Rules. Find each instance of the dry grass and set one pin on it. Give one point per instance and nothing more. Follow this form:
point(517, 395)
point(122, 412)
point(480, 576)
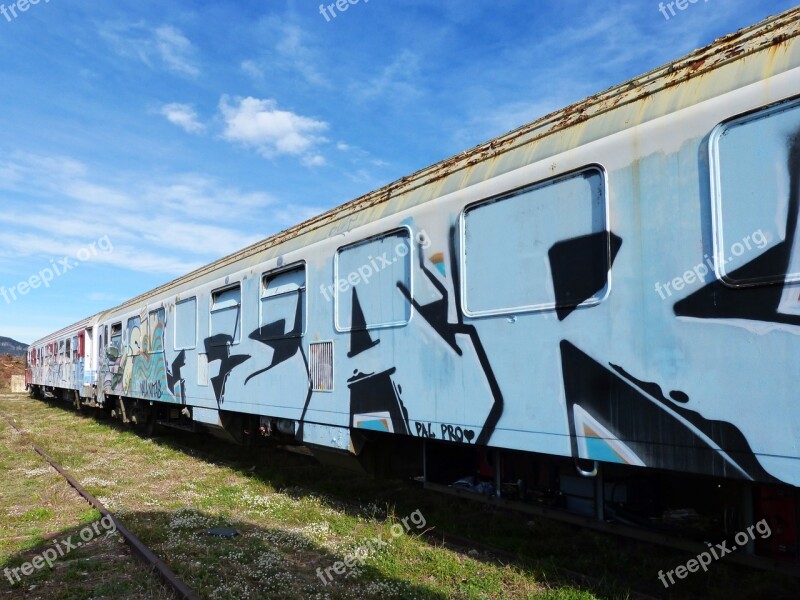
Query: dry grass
point(294, 516)
point(169, 498)
point(39, 510)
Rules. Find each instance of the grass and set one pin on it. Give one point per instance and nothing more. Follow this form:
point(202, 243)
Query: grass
point(293, 517)
point(38, 510)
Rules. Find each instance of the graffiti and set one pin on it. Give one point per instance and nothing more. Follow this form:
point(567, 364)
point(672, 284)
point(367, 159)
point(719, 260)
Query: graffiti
point(153, 390)
point(576, 278)
point(360, 339)
point(218, 349)
point(450, 433)
point(284, 344)
point(139, 367)
point(424, 430)
point(111, 369)
point(435, 313)
point(375, 403)
point(175, 383)
point(622, 420)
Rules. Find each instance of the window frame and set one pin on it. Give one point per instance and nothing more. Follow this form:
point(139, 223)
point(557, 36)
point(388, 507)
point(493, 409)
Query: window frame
point(262, 287)
point(718, 251)
point(410, 257)
point(196, 324)
point(121, 336)
point(149, 331)
point(211, 311)
point(127, 339)
point(549, 181)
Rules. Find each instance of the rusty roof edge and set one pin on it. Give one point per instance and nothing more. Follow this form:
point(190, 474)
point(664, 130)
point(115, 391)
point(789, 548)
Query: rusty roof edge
point(628, 91)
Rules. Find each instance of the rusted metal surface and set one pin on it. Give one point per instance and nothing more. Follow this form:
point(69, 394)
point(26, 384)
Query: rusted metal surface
point(760, 51)
point(170, 579)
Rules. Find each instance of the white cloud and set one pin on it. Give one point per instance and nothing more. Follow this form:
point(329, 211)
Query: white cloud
point(184, 116)
point(260, 124)
point(164, 46)
point(314, 160)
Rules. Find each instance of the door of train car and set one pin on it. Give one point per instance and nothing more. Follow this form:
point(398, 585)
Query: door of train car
point(28, 365)
point(87, 357)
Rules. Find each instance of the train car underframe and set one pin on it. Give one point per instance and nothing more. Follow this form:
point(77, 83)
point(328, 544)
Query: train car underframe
point(675, 509)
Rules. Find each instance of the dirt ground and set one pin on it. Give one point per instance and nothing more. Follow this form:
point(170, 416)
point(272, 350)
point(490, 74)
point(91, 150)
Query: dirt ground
point(10, 365)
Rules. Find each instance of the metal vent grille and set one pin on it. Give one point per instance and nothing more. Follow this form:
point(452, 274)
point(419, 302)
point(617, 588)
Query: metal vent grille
point(321, 366)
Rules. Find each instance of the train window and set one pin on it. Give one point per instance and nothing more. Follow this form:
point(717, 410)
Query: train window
point(134, 336)
point(283, 304)
point(539, 248)
point(755, 161)
point(186, 324)
point(67, 350)
point(226, 316)
point(116, 336)
point(74, 348)
point(366, 278)
point(153, 332)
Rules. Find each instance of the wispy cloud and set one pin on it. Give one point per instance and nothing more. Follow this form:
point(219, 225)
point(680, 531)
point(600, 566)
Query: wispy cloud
point(165, 46)
point(252, 70)
point(260, 124)
point(176, 51)
point(292, 51)
point(399, 80)
point(184, 116)
point(170, 225)
point(360, 164)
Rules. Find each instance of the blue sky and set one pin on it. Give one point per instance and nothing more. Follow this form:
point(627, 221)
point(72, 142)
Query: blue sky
point(170, 134)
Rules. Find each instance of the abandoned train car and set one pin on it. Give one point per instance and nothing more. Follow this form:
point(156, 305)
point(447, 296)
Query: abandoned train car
point(609, 294)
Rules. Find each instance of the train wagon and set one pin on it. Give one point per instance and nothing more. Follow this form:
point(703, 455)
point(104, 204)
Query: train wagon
point(65, 363)
point(597, 312)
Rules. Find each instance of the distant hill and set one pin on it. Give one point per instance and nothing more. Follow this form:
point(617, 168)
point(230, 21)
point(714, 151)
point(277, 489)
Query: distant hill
point(13, 347)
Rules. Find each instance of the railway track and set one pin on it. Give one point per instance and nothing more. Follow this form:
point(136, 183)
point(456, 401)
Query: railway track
point(181, 590)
